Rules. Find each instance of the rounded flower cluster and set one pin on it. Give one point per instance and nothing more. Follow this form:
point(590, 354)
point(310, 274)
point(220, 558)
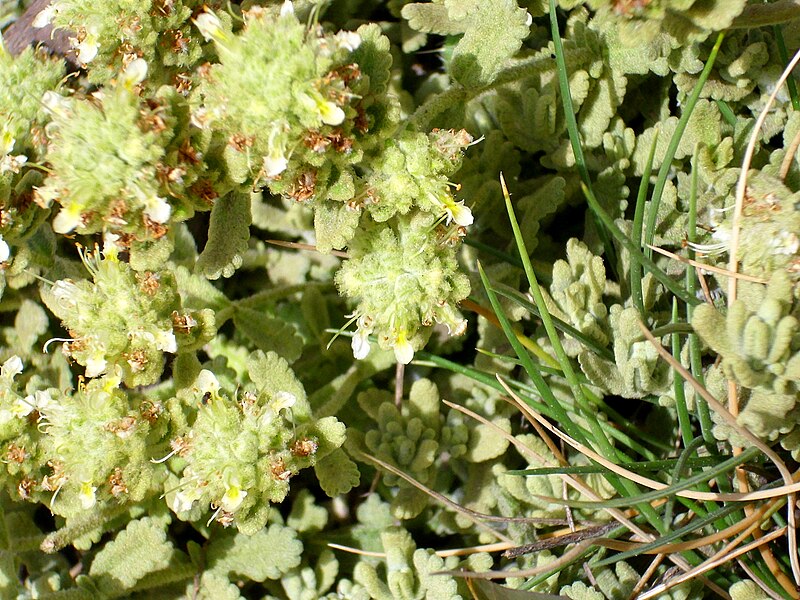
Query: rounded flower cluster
point(123, 322)
point(121, 164)
point(405, 278)
point(244, 447)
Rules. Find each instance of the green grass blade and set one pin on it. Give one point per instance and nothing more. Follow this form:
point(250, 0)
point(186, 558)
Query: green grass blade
point(670, 490)
point(636, 269)
point(672, 148)
point(790, 83)
point(574, 134)
point(662, 277)
point(562, 326)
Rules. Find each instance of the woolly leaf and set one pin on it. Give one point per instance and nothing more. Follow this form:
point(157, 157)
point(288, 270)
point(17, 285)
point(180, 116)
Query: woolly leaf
point(228, 233)
point(493, 32)
point(272, 374)
point(334, 224)
point(485, 443)
point(310, 583)
point(198, 292)
point(747, 590)
point(267, 554)
point(30, 324)
point(431, 18)
point(141, 548)
point(307, 516)
point(213, 587)
point(337, 474)
point(269, 333)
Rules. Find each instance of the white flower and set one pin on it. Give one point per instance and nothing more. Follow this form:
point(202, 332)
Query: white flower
point(287, 8)
point(68, 218)
point(209, 26)
point(157, 209)
point(360, 345)
point(134, 73)
point(44, 17)
point(283, 400)
point(165, 341)
point(22, 407)
point(11, 368)
point(39, 400)
point(66, 293)
point(274, 165)
point(456, 211)
point(87, 47)
point(233, 498)
point(348, 39)
point(5, 251)
point(207, 383)
point(7, 142)
point(184, 500)
point(55, 104)
point(96, 360)
point(12, 163)
point(329, 112)
point(86, 495)
point(403, 350)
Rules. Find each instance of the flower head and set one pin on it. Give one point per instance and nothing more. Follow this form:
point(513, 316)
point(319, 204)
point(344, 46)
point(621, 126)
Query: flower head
point(210, 26)
point(87, 45)
point(5, 251)
point(87, 495)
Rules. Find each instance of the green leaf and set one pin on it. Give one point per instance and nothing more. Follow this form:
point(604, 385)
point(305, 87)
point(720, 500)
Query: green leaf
point(493, 33)
point(486, 443)
point(141, 548)
point(267, 554)
point(268, 333)
point(228, 233)
point(30, 324)
point(335, 224)
point(213, 587)
point(337, 474)
point(272, 374)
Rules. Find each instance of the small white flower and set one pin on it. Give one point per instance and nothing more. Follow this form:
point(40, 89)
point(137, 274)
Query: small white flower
point(12, 163)
point(209, 26)
point(44, 196)
point(283, 400)
point(5, 251)
point(44, 17)
point(66, 293)
point(274, 165)
point(157, 209)
point(87, 47)
point(287, 8)
point(456, 211)
point(329, 112)
point(86, 495)
point(96, 360)
point(7, 142)
point(11, 368)
point(233, 498)
point(22, 407)
point(184, 500)
point(40, 400)
point(55, 104)
point(68, 218)
point(348, 39)
point(360, 345)
point(165, 341)
point(134, 73)
point(403, 350)
point(207, 383)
